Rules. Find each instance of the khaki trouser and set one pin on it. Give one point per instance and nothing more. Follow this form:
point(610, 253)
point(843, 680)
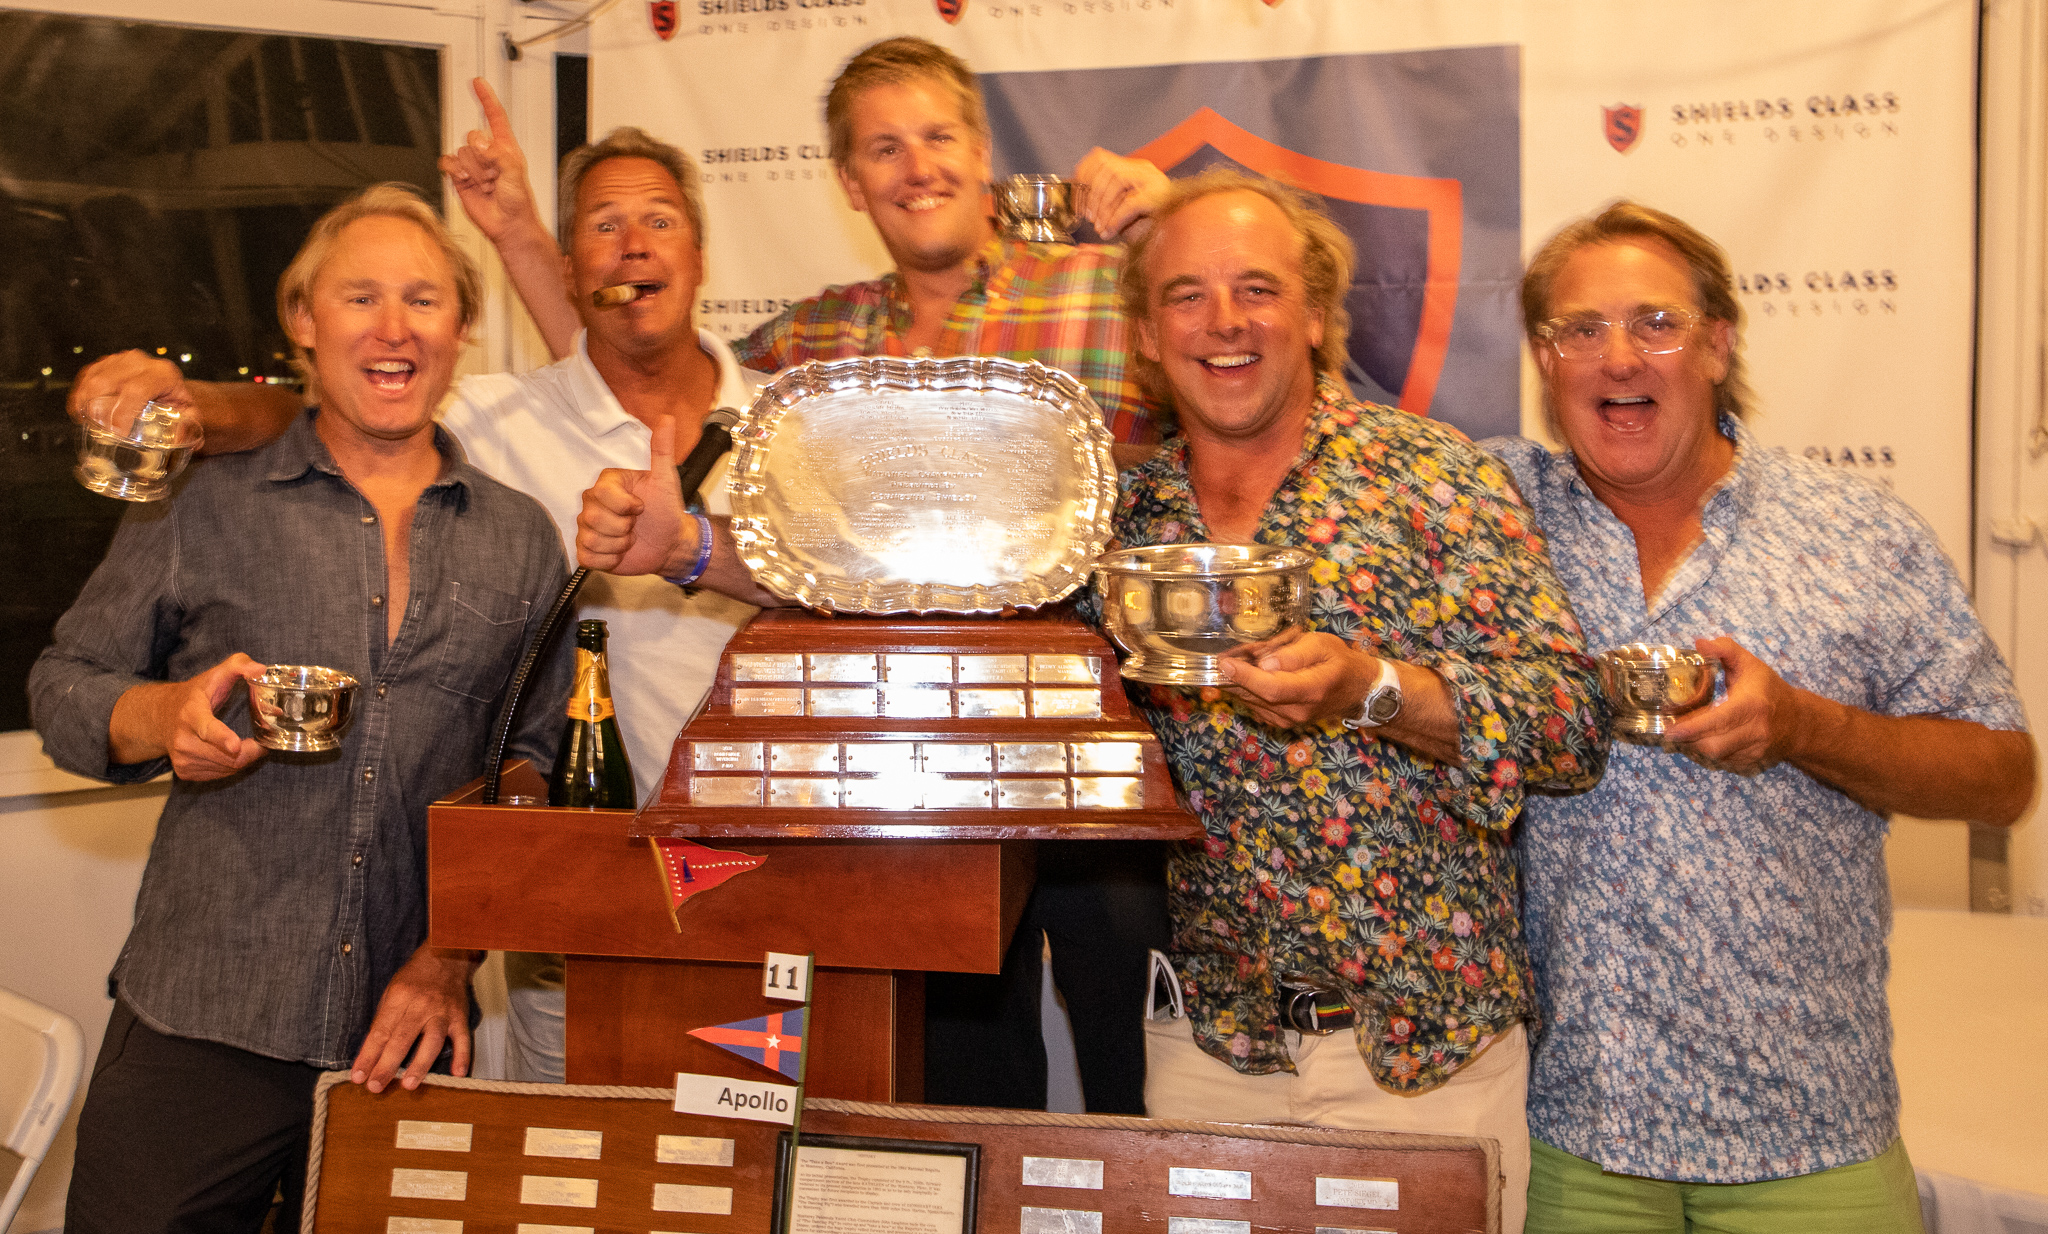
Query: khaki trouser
point(1331, 1087)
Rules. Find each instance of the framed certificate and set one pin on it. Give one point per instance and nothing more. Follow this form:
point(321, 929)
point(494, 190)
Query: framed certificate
point(835, 1184)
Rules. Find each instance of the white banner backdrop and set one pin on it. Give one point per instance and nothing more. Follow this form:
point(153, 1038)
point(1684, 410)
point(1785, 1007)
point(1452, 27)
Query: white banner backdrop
point(1829, 148)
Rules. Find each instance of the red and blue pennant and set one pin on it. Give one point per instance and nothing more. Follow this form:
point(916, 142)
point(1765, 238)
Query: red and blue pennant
point(775, 1041)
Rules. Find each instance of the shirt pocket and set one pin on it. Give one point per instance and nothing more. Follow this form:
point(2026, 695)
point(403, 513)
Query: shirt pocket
point(483, 640)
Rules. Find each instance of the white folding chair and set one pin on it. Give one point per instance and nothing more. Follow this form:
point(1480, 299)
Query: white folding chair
point(42, 1056)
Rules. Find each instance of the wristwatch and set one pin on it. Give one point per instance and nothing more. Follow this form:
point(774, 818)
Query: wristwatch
point(1382, 702)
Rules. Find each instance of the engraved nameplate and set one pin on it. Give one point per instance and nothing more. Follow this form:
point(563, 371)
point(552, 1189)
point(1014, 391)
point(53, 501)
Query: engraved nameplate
point(1062, 1172)
point(836, 701)
point(798, 793)
point(842, 667)
point(725, 791)
point(956, 794)
point(560, 1192)
point(1058, 1221)
point(557, 1142)
point(529, 1228)
point(884, 794)
point(991, 704)
point(725, 755)
point(1358, 1193)
point(421, 1225)
point(898, 669)
point(767, 702)
point(1209, 1184)
point(901, 702)
point(1037, 756)
point(1070, 668)
point(692, 1150)
point(1031, 794)
point(1341, 1229)
point(756, 667)
point(803, 756)
point(429, 1184)
point(961, 759)
point(438, 1137)
point(1100, 756)
point(979, 669)
point(1108, 793)
point(680, 1198)
point(881, 757)
point(1206, 1225)
point(1066, 704)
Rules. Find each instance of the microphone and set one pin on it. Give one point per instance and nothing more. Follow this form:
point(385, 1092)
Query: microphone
point(714, 440)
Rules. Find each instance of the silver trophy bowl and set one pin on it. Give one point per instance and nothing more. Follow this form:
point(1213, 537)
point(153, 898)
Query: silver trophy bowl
point(1178, 608)
point(301, 707)
point(1036, 209)
point(1650, 685)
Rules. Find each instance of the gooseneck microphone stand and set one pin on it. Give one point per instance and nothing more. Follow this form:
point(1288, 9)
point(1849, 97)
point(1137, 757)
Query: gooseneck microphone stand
point(712, 442)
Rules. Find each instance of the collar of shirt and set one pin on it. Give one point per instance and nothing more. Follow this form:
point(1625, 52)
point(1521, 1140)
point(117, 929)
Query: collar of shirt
point(990, 269)
point(603, 414)
point(300, 450)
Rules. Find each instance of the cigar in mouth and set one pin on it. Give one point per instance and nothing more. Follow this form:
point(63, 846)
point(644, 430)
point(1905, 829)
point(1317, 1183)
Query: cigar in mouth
point(617, 294)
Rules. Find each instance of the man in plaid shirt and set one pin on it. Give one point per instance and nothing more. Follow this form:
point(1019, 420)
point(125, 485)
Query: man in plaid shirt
point(909, 137)
point(910, 140)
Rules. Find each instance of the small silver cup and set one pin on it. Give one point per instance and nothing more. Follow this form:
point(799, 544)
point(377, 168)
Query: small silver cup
point(1036, 209)
point(301, 707)
point(1650, 685)
point(1178, 608)
point(140, 464)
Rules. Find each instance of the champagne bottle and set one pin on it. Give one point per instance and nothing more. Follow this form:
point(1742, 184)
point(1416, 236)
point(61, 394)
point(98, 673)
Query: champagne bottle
point(590, 764)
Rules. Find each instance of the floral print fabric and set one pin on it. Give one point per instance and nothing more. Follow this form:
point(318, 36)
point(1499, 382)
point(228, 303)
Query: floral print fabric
point(1709, 947)
point(1339, 856)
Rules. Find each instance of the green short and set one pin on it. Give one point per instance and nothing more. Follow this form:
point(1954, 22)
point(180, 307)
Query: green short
point(1571, 1195)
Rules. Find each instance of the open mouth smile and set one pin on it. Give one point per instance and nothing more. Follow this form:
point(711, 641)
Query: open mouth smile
point(1229, 363)
point(391, 376)
point(1627, 413)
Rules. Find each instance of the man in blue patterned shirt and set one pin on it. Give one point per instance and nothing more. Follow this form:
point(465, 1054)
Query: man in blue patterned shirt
point(1346, 938)
point(1708, 925)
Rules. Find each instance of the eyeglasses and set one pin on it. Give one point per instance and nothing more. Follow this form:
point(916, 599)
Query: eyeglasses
point(1657, 333)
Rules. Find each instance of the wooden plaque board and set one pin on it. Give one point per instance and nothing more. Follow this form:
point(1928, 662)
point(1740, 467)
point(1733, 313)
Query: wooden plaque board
point(486, 1133)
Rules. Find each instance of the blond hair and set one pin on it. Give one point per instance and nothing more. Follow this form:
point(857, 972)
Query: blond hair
point(1327, 260)
point(388, 200)
point(894, 62)
point(1713, 282)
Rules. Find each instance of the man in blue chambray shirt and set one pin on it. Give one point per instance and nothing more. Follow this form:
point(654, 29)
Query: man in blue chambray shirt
point(1708, 925)
point(280, 925)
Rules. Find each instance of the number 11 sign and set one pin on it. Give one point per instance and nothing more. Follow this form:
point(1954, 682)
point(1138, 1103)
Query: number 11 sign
point(786, 977)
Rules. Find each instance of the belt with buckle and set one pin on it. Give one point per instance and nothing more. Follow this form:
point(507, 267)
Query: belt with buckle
point(1315, 1010)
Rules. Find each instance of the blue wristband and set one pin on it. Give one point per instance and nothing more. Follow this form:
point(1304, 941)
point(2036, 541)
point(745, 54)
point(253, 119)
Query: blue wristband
point(703, 553)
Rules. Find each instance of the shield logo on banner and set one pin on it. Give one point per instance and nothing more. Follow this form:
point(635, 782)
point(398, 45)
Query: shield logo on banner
point(661, 14)
point(1436, 206)
point(951, 10)
point(1623, 124)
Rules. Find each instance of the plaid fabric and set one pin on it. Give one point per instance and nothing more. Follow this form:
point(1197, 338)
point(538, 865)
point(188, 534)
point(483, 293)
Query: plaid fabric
point(1053, 303)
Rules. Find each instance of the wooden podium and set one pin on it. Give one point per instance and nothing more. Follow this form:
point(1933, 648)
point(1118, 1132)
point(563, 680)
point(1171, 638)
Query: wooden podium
point(898, 840)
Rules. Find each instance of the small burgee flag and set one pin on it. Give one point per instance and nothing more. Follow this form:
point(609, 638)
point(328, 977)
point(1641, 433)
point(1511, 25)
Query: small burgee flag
point(775, 1041)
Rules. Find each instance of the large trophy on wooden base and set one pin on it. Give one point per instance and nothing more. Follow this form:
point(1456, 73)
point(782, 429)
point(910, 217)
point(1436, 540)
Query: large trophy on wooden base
point(867, 776)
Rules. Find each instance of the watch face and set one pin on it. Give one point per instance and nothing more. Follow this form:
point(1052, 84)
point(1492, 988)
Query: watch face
point(1383, 706)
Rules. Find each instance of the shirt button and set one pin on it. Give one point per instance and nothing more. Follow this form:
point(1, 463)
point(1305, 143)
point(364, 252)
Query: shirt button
point(369, 774)
point(368, 519)
point(376, 601)
point(356, 860)
point(347, 948)
point(383, 688)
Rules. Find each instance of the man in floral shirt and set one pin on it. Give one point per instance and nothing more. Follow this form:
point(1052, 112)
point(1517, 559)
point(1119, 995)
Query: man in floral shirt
point(1357, 781)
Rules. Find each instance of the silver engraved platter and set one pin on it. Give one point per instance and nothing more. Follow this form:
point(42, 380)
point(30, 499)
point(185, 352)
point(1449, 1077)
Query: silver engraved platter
point(879, 485)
